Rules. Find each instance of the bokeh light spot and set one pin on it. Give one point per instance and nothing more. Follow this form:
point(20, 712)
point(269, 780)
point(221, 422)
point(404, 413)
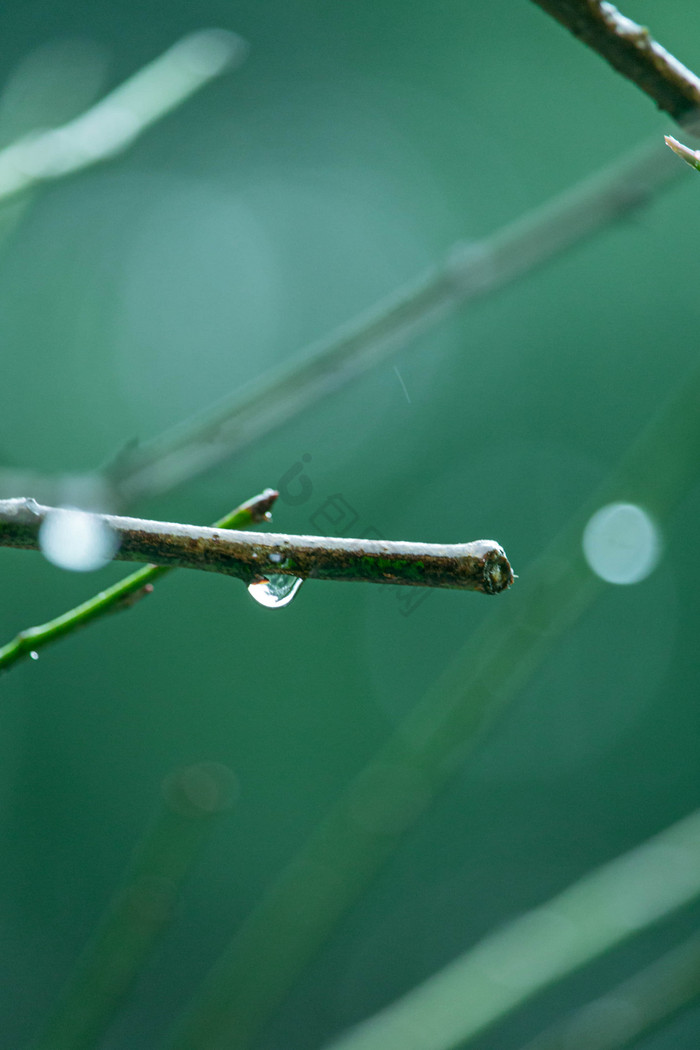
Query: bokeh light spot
point(621, 543)
point(76, 540)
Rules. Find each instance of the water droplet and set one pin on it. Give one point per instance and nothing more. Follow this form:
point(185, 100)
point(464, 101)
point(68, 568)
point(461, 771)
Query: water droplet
point(621, 543)
point(276, 591)
point(34, 655)
point(74, 539)
point(276, 557)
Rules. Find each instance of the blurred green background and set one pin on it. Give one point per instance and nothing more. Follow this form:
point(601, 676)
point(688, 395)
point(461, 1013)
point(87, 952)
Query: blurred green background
point(356, 144)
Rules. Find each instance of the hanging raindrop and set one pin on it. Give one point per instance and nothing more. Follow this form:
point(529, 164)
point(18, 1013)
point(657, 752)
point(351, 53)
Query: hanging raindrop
point(275, 591)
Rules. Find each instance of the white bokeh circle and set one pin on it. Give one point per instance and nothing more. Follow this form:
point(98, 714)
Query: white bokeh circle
point(77, 540)
point(621, 543)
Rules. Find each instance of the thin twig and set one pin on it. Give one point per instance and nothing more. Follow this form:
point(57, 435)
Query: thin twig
point(601, 910)
point(630, 49)
point(467, 273)
point(477, 566)
point(690, 156)
point(120, 595)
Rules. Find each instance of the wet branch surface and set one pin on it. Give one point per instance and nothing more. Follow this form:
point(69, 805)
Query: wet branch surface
point(121, 595)
point(253, 557)
point(477, 566)
point(630, 49)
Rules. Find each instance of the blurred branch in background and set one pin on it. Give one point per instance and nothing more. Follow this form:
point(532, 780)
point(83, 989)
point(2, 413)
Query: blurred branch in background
point(508, 967)
point(633, 1009)
point(361, 831)
point(630, 49)
point(100, 133)
point(468, 272)
point(125, 593)
point(142, 908)
point(114, 123)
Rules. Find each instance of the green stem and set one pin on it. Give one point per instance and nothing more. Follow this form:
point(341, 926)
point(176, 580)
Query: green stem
point(125, 593)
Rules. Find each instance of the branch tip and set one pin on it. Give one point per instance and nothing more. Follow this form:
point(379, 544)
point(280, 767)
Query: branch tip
point(631, 50)
point(690, 156)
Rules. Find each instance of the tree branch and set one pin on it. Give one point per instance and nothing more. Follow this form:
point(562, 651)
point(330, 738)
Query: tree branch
point(121, 595)
point(630, 49)
point(477, 566)
point(690, 156)
point(253, 557)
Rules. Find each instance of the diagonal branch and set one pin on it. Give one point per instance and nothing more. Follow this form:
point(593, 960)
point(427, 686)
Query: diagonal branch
point(690, 156)
point(512, 964)
point(364, 826)
point(633, 1010)
point(630, 49)
point(117, 120)
point(467, 272)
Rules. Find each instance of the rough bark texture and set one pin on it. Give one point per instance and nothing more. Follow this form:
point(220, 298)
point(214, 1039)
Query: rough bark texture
point(630, 49)
point(481, 565)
